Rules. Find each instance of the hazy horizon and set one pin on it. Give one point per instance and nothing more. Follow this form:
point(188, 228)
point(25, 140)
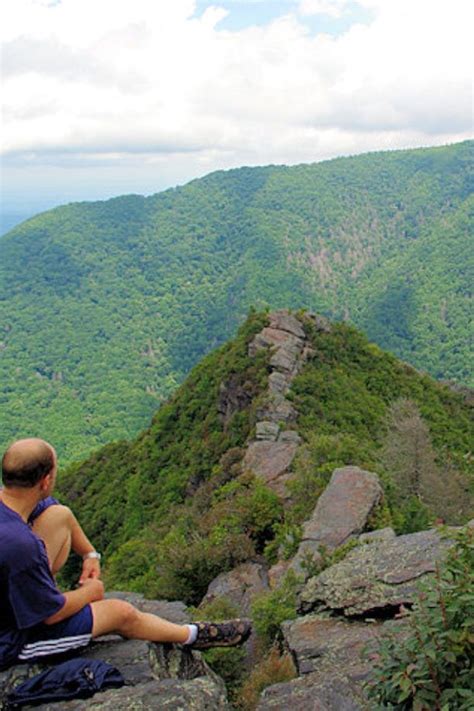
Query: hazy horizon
point(118, 97)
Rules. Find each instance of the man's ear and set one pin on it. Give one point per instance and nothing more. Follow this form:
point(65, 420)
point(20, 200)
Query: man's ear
point(45, 482)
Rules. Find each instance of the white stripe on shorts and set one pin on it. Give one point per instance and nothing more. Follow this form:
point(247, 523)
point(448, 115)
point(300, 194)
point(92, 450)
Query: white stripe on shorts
point(53, 646)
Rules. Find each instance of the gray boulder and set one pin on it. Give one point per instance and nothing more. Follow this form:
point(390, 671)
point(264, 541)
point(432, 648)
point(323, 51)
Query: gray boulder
point(381, 534)
point(314, 693)
point(239, 586)
point(271, 462)
point(320, 644)
point(284, 321)
point(341, 513)
point(267, 431)
point(333, 658)
point(371, 577)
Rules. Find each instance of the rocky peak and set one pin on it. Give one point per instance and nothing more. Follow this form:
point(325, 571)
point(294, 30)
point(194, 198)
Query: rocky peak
point(270, 455)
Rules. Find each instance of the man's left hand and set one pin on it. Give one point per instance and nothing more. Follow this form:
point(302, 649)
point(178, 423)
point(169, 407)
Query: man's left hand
point(90, 570)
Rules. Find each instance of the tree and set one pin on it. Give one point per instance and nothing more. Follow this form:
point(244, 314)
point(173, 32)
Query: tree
point(419, 483)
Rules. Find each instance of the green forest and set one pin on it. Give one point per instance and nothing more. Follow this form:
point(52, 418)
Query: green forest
point(105, 307)
point(175, 507)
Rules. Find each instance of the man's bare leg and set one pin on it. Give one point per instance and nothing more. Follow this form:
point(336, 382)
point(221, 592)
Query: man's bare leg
point(55, 526)
point(122, 618)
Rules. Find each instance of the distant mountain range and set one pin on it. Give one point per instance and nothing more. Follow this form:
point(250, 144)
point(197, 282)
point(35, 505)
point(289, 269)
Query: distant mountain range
point(9, 219)
point(105, 306)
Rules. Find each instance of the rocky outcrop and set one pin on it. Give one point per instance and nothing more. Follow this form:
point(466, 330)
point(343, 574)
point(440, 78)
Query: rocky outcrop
point(271, 462)
point(315, 693)
point(376, 577)
point(350, 606)
point(354, 604)
point(341, 513)
point(174, 611)
point(333, 658)
point(233, 397)
point(320, 644)
point(271, 454)
point(239, 587)
point(157, 676)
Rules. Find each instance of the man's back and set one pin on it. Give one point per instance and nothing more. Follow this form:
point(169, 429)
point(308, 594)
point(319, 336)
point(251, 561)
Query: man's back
point(28, 593)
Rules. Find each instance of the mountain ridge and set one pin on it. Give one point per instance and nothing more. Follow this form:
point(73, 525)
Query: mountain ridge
point(107, 303)
point(237, 458)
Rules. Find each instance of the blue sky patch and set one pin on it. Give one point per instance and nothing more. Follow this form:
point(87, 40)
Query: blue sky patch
point(247, 13)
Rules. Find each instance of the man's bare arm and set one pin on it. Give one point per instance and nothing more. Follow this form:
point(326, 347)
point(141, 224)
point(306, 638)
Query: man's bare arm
point(90, 591)
point(81, 545)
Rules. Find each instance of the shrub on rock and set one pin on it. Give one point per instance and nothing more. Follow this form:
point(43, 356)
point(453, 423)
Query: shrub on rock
point(432, 668)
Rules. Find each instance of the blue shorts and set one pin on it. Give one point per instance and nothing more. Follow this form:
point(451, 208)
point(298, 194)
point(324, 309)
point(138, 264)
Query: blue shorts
point(73, 633)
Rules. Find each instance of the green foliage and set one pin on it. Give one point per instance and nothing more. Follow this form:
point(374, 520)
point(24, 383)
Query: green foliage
point(173, 508)
point(344, 397)
point(271, 609)
point(316, 460)
point(412, 516)
point(314, 566)
point(380, 517)
point(105, 306)
point(286, 541)
point(431, 668)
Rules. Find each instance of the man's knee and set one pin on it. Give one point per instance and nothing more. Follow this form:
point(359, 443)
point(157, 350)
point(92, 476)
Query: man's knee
point(56, 515)
point(113, 616)
point(126, 612)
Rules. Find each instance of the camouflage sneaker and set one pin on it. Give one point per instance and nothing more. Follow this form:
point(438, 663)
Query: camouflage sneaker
point(222, 634)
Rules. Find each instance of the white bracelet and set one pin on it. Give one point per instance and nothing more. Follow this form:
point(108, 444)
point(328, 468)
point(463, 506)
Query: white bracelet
point(92, 554)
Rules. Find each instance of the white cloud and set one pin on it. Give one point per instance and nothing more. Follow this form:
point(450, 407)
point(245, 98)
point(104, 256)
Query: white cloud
point(332, 8)
point(114, 78)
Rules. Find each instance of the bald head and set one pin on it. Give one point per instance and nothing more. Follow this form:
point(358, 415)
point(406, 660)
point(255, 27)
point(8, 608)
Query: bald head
point(26, 462)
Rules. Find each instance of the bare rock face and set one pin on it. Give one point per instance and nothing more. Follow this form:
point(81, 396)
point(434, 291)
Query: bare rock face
point(271, 461)
point(333, 658)
point(381, 534)
point(233, 397)
point(157, 676)
point(319, 644)
point(267, 431)
point(342, 511)
point(271, 455)
point(315, 694)
point(277, 573)
point(284, 321)
point(276, 408)
point(383, 574)
point(239, 586)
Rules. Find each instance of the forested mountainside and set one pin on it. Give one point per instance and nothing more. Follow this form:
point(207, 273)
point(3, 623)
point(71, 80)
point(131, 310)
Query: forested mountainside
point(237, 458)
point(105, 307)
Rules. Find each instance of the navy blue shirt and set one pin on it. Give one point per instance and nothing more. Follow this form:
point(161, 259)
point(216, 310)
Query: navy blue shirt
point(28, 592)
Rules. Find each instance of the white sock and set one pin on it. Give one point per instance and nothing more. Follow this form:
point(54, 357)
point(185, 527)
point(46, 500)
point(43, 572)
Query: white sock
point(193, 633)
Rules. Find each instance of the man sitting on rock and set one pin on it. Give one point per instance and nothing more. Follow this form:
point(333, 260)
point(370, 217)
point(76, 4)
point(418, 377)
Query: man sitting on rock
point(36, 536)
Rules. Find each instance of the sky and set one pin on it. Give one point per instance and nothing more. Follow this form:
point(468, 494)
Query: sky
point(109, 97)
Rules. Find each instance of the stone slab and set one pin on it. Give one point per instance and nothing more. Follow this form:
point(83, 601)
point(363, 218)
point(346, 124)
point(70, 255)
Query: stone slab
point(341, 513)
point(269, 460)
point(384, 574)
point(239, 586)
